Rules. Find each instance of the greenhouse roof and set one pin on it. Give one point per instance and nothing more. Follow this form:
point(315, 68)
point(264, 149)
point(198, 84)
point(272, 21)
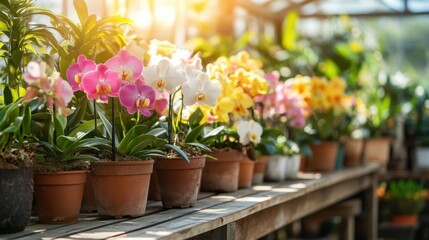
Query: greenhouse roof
point(276, 9)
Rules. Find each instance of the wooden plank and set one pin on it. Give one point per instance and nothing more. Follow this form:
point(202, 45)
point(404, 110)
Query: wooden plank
point(208, 219)
point(371, 210)
point(86, 222)
point(219, 211)
point(268, 220)
point(123, 227)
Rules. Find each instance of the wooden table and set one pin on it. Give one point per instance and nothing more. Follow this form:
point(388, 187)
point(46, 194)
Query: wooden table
point(245, 214)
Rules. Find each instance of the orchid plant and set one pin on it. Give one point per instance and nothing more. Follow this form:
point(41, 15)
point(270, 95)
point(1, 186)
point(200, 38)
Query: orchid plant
point(45, 87)
point(146, 93)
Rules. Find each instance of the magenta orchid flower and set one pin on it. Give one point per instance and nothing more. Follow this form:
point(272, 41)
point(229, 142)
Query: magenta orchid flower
point(76, 71)
point(139, 97)
point(127, 66)
point(101, 83)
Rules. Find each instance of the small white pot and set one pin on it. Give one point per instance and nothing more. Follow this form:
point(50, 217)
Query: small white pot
point(422, 158)
point(292, 166)
point(276, 168)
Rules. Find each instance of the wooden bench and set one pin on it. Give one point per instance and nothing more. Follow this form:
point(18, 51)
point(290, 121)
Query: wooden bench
point(347, 210)
point(246, 214)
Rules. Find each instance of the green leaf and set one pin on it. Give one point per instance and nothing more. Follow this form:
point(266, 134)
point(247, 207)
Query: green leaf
point(142, 145)
point(157, 132)
point(131, 134)
point(81, 10)
point(194, 134)
point(84, 128)
point(8, 98)
point(136, 140)
point(27, 120)
point(290, 34)
point(108, 127)
point(214, 132)
point(199, 145)
point(179, 151)
point(195, 118)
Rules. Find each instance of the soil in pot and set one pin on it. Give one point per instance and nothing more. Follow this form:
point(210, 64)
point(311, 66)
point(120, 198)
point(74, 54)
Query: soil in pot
point(179, 181)
point(121, 187)
point(246, 173)
point(259, 170)
point(16, 196)
point(59, 196)
point(221, 174)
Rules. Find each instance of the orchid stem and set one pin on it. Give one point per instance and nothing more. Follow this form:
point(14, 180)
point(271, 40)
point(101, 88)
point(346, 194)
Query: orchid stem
point(95, 124)
point(54, 113)
point(113, 131)
point(170, 119)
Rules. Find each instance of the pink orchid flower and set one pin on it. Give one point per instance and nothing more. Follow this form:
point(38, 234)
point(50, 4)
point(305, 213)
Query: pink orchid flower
point(101, 83)
point(52, 90)
point(161, 103)
point(127, 66)
point(76, 71)
point(139, 97)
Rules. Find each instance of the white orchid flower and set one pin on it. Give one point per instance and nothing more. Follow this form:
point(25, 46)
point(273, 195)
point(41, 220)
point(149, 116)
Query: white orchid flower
point(163, 76)
point(249, 131)
point(200, 90)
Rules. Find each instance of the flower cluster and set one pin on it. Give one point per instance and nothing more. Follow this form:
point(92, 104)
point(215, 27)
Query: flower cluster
point(48, 87)
point(283, 100)
point(242, 80)
point(144, 89)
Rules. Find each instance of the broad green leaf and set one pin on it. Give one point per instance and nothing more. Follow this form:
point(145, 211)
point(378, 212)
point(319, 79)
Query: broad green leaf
point(195, 118)
point(131, 134)
point(214, 132)
point(141, 145)
point(289, 33)
point(81, 10)
point(194, 134)
point(199, 145)
point(157, 132)
point(108, 127)
point(84, 128)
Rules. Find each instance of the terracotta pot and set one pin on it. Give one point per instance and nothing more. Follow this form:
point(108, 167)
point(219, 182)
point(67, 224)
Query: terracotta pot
point(303, 164)
point(259, 170)
point(121, 187)
point(16, 196)
point(88, 201)
point(179, 181)
point(404, 219)
point(59, 195)
point(221, 174)
point(154, 192)
point(275, 170)
point(246, 173)
point(377, 150)
point(292, 166)
point(324, 156)
point(353, 152)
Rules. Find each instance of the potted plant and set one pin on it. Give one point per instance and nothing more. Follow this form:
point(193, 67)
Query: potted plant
point(377, 146)
point(131, 142)
point(325, 98)
point(405, 200)
point(16, 168)
point(241, 79)
point(60, 170)
point(180, 77)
